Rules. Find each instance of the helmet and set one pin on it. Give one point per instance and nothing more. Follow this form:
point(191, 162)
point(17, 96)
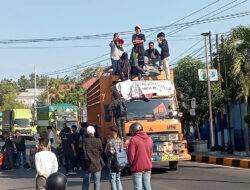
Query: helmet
point(56, 181)
point(135, 127)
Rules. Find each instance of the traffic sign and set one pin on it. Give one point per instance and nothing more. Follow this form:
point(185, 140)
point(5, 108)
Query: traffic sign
point(212, 73)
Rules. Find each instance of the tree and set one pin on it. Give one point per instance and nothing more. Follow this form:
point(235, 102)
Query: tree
point(187, 82)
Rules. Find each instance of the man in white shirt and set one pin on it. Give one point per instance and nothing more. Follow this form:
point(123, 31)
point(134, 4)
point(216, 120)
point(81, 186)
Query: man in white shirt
point(46, 163)
point(52, 139)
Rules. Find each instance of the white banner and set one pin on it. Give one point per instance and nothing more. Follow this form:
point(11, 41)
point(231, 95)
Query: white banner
point(137, 89)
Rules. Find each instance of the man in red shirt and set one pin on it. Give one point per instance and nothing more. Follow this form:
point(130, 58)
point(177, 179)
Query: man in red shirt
point(139, 155)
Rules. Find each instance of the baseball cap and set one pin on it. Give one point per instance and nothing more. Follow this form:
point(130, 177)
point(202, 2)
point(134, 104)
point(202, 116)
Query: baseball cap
point(90, 130)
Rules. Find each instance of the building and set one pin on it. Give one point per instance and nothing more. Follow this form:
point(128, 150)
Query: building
point(27, 97)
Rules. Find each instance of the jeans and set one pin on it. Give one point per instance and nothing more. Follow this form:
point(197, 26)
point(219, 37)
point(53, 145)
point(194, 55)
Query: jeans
point(141, 180)
point(115, 66)
point(115, 181)
point(87, 177)
point(21, 158)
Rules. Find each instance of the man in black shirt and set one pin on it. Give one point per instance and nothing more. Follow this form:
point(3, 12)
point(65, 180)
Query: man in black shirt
point(8, 150)
point(163, 44)
point(152, 55)
point(67, 150)
point(137, 61)
point(20, 147)
point(75, 138)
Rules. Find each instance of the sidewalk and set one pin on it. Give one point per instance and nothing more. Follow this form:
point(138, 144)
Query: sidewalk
point(222, 159)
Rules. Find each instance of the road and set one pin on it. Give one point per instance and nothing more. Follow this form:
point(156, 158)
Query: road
point(190, 176)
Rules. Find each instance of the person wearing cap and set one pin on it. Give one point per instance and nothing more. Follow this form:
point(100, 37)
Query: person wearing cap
point(116, 52)
point(113, 145)
point(140, 151)
point(137, 53)
point(163, 44)
point(91, 159)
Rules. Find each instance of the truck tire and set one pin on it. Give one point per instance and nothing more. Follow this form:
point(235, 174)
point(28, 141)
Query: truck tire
point(173, 165)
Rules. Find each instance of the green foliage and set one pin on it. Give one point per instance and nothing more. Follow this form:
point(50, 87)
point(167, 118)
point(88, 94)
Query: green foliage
point(187, 83)
point(24, 83)
point(235, 56)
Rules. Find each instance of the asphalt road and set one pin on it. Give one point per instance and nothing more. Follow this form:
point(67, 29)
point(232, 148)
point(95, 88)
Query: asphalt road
point(190, 176)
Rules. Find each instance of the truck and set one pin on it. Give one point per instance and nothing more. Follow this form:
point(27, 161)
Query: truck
point(18, 119)
point(56, 115)
point(152, 102)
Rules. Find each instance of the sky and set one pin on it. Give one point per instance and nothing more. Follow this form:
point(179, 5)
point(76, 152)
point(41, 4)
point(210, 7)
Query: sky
point(29, 19)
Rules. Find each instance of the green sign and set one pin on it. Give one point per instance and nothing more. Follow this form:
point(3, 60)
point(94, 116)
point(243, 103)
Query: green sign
point(213, 74)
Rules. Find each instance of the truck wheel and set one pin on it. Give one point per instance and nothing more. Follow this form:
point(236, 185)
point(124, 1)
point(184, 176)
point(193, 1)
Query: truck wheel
point(173, 165)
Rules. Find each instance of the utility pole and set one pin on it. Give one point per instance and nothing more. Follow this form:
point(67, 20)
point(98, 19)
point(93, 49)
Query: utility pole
point(210, 49)
point(209, 93)
point(34, 86)
point(230, 145)
point(47, 89)
point(218, 53)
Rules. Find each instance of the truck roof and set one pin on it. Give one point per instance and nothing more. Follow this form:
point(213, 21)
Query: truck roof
point(22, 113)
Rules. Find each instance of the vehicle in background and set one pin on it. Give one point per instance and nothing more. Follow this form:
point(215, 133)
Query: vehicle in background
point(158, 113)
point(56, 115)
point(18, 119)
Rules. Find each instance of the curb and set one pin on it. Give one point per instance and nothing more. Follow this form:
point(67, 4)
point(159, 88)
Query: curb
point(226, 161)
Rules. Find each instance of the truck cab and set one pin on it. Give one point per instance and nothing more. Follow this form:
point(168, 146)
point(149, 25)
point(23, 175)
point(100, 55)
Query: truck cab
point(157, 112)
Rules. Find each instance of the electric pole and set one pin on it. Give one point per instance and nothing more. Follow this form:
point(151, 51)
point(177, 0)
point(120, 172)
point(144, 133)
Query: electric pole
point(211, 128)
point(34, 86)
point(218, 53)
point(47, 89)
point(210, 49)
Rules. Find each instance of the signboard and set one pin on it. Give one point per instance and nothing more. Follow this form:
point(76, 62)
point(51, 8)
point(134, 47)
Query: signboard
point(213, 74)
point(138, 89)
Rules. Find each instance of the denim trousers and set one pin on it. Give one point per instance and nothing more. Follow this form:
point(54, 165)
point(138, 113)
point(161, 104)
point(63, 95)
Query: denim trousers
point(21, 158)
point(87, 177)
point(115, 66)
point(115, 180)
point(141, 180)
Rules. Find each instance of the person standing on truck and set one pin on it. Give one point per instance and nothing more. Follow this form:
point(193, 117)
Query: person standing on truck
point(8, 150)
point(163, 44)
point(19, 143)
point(67, 151)
point(140, 150)
point(136, 59)
point(118, 109)
point(113, 145)
point(91, 159)
point(116, 52)
point(46, 163)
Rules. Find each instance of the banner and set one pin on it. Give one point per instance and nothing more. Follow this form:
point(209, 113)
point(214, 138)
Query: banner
point(145, 88)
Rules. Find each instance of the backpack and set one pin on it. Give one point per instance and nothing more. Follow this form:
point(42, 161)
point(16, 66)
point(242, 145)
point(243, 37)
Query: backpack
point(120, 159)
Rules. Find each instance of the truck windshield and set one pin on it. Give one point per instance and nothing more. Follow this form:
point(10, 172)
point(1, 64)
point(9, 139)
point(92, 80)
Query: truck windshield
point(154, 108)
point(22, 122)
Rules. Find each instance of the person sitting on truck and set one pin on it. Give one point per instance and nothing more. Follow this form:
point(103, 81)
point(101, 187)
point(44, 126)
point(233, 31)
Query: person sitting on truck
point(91, 159)
point(152, 55)
point(163, 44)
point(124, 67)
point(19, 143)
point(8, 150)
point(116, 52)
point(140, 151)
point(113, 145)
point(118, 110)
point(67, 150)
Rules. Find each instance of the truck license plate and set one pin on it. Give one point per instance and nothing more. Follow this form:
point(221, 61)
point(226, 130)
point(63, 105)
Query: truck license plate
point(170, 158)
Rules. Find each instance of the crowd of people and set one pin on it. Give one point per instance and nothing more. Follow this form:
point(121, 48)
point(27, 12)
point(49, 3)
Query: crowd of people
point(141, 61)
point(82, 149)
